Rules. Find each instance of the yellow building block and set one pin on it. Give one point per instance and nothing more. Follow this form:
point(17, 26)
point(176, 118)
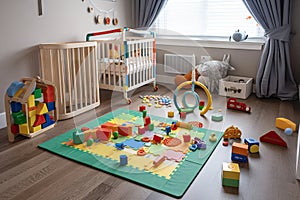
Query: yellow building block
point(240, 148)
point(170, 114)
point(35, 128)
point(23, 128)
point(31, 120)
point(231, 171)
point(31, 113)
point(41, 109)
point(17, 94)
point(30, 101)
point(284, 123)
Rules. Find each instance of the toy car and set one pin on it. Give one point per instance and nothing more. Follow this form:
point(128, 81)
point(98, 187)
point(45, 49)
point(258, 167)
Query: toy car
point(232, 103)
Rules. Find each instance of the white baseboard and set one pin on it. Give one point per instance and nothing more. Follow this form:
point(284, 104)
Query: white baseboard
point(2, 120)
point(165, 79)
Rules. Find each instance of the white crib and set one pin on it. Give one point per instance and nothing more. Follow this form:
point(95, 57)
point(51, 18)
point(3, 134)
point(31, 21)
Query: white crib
point(126, 59)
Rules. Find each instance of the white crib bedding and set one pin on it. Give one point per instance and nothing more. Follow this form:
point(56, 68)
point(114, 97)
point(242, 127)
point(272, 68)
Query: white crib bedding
point(117, 66)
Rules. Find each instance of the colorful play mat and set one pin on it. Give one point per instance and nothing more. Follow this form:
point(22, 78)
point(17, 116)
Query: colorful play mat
point(149, 155)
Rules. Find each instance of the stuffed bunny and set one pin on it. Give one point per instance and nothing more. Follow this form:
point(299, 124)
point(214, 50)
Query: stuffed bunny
point(212, 71)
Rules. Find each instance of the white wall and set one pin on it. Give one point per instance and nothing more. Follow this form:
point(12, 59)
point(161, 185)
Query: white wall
point(22, 29)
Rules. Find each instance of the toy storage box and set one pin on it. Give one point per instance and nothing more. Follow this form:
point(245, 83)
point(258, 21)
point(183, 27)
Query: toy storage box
point(30, 106)
point(72, 67)
point(235, 86)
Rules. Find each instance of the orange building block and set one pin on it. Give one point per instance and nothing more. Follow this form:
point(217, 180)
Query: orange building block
point(41, 109)
point(110, 125)
point(239, 148)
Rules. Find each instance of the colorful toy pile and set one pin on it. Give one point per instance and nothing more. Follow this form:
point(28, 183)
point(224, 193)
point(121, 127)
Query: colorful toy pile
point(158, 100)
point(31, 103)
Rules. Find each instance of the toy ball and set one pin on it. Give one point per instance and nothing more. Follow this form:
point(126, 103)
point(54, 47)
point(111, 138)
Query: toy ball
point(288, 131)
point(239, 36)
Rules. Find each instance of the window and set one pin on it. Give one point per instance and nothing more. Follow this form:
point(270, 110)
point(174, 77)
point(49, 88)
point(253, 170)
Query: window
point(206, 18)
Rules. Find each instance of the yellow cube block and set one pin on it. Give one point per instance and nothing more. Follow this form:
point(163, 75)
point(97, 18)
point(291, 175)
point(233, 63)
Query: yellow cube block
point(231, 171)
point(170, 114)
point(30, 101)
point(35, 128)
point(23, 128)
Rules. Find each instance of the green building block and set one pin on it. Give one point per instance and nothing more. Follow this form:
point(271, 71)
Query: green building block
point(37, 93)
point(78, 137)
point(230, 182)
point(151, 127)
point(19, 117)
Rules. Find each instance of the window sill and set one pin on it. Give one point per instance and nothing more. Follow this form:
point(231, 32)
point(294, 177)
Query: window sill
point(249, 44)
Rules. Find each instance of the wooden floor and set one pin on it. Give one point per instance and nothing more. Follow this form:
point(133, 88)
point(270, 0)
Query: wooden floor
point(27, 172)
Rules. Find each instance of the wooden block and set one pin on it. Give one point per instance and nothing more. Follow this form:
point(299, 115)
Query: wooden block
point(125, 130)
point(158, 161)
point(19, 92)
point(231, 171)
point(239, 148)
point(141, 130)
point(230, 182)
point(15, 106)
point(14, 88)
point(103, 134)
point(30, 101)
point(284, 123)
point(170, 114)
point(186, 137)
point(41, 109)
point(40, 119)
point(31, 120)
point(35, 128)
point(110, 125)
point(31, 111)
point(37, 93)
point(14, 128)
point(23, 128)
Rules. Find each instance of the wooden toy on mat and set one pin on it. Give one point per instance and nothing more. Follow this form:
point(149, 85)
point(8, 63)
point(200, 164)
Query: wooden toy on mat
point(30, 107)
point(239, 152)
point(253, 145)
point(188, 108)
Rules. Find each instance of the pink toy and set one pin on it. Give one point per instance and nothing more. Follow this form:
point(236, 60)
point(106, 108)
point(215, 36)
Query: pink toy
point(141, 130)
point(182, 115)
point(158, 161)
point(186, 138)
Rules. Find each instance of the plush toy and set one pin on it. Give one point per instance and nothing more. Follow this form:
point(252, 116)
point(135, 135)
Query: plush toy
point(208, 73)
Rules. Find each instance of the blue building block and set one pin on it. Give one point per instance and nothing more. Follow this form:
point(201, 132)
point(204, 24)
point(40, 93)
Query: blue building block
point(51, 105)
point(15, 106)
point(239, 158)
point(123, 160)
point(14, 87)
point(168, 129)
point(253, 145)
point(78, 137)
point(120, 146)
point(48, 121)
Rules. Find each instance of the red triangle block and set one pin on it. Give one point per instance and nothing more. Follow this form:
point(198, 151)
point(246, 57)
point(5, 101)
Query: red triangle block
point(40, 119)
point(273, 138)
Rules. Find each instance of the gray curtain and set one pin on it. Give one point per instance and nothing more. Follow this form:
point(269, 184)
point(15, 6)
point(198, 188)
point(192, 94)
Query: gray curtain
point(274, 76)
point(145, 12)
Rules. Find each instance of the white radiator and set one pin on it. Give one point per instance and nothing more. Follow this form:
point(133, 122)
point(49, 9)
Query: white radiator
point(179, 64)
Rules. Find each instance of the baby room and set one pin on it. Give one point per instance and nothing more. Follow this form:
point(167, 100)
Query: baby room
point(132, 99)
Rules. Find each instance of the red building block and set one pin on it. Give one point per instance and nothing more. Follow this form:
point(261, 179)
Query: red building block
point(142, 108)
point(14, 128)
point(273, 138)
point(125, 130)
point(103, 134)
point(147, 120)
point(40, 119)
point(48, 94)
point(158, 138)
